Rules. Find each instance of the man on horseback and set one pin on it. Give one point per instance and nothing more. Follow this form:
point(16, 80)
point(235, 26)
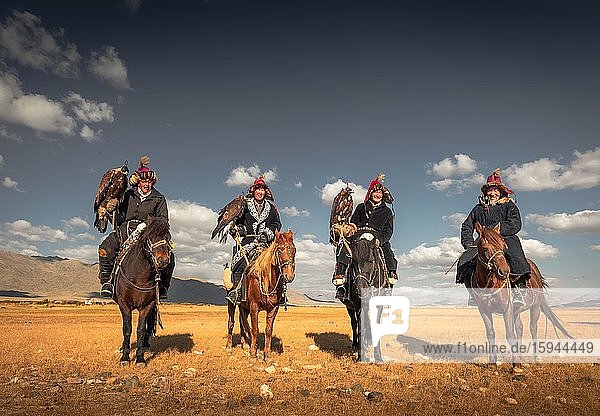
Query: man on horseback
point(373, 213)
point(141, 201)
point(495, 207)
point(254, 230)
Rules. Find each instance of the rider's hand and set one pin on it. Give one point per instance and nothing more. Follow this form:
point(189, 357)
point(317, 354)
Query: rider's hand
point(235, 230)
point(263, 238)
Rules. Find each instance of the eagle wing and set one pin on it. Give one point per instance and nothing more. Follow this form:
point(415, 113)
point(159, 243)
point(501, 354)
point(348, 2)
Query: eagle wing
point(341, 210)
point(110, 192)
point(227, 215)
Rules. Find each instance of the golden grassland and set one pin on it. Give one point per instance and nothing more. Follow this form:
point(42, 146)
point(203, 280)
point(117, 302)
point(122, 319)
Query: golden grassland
point(63, 360)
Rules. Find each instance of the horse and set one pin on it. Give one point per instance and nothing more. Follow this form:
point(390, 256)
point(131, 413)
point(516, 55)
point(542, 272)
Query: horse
point(367, 277)
point(136, 276)
point(490, 287)
point(265, 279)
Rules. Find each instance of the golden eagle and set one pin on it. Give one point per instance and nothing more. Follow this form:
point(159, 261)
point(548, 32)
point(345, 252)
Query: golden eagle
point(110, 192)
point(227, 215)
point(341, 210)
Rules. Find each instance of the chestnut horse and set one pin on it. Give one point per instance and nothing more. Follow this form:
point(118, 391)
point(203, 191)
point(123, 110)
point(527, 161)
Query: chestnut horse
point(264, 282)
point(136, 276)
point(490, 287)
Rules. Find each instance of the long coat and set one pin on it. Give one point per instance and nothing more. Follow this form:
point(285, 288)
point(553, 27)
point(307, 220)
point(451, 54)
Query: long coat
point(255, 224)
point(133, 208)
point(507, 214)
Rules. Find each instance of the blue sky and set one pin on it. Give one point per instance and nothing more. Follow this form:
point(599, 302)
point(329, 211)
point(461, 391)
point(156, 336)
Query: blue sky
point(310, 94)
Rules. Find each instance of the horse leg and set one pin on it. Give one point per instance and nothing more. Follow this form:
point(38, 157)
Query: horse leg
point(353, 325)
point(269, 329)
point(254, 330)
point(245, 338)
point(150, 328)
point(141, 335)
point(488, 322)
point(126, 346)
point(511, 336)
point(534, 316)
point(230, 324)
point(519, 335)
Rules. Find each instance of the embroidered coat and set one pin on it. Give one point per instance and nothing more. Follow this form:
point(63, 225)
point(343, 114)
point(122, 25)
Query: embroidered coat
point(255, 224)
point(507, 214)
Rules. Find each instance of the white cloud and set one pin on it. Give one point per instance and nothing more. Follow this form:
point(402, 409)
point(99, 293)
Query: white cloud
point(16, 246)
point(35, 111)
point(295, 212)
point(89, 111)
point(90, 135)
point(457, 186)
point(24, 39)
point(1, 161)
point(595, 247)
point(108, 67)
point(543, 174)
point(330, 190)
point(7, 182)
point(455, 219)
point(435, 257)
point(28, 232)
point(133, 5)
point(535, 249)
point(87, 253)
point(579, 222)
point(245, 176)
point(314, 263)
point(298, 185)
point(76, 222)
point(309, 236)
point(10, 135)
point(457, 166)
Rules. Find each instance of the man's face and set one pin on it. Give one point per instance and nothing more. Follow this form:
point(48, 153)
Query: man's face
point(259, 194)
point(145, 185)
point(493, 194)
point(377, 196)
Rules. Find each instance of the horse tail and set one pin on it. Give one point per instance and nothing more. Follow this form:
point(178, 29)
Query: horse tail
point(553, 317)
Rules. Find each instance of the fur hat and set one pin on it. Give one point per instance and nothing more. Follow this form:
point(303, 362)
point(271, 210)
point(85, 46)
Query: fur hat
point(376, 185)
point(260, 183)
point(495, 181)
point(143, 172)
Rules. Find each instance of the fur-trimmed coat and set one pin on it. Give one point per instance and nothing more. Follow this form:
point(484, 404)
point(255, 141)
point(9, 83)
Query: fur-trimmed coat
point(134, 208)
point(507, 214)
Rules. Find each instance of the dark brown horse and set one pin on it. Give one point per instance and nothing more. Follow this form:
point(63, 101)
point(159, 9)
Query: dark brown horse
point(490, 286)
point(136, 276)
point(367, 277)
point(264, 281)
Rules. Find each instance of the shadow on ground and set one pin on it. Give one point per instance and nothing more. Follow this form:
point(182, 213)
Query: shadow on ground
point(332, 342)
point(17, 294)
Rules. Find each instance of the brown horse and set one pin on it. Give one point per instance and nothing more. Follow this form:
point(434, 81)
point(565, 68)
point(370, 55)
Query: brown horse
point(136, 277)
point(490, 286)
point(264, 282)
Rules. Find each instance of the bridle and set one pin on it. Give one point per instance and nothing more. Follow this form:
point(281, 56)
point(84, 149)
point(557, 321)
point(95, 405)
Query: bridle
point(150, 246)
point(289, 250)
point(489, 264)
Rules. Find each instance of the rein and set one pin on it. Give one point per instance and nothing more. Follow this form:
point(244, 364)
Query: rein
point(280, 266)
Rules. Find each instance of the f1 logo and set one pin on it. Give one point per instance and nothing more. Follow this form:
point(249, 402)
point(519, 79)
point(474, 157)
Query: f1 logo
point(388, 315)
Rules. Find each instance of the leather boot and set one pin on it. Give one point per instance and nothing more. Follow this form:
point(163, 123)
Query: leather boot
point(233, 295)
point(519, 290)
point(105, 272)
point(339, 275)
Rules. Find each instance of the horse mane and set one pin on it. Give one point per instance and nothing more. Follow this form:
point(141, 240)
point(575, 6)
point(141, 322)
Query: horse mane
point(262, 265)
point(155, 231)
point(493, 237)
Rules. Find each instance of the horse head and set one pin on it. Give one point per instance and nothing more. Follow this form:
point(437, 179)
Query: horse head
point(491, 250)
point(156, 238)
point(365, 262)
point(285, 255)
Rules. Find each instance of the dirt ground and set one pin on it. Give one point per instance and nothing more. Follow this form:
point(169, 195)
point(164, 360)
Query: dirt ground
point(63, 360)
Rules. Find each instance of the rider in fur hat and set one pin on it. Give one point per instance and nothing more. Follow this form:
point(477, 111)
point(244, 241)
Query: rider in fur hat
point(495, 206)
point(139, 202)
point(374, 213)
point(256, 228)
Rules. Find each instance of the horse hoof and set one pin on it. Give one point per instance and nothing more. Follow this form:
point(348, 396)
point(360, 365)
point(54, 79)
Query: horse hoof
point(123, 363)
point(141, 364)
point(517, 370)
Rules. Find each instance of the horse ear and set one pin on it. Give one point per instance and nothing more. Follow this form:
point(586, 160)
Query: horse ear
point(276, 233)
point(497, 228)
point(478, 228)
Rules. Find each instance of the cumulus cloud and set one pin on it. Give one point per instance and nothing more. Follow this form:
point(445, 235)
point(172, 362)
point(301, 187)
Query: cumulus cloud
point(90, 135)
point(35, 111)
point(330, 190)
point(1, 161)
point(457, 186)
point(29, 232)
point(535, 249)
point(245, 176)
point(595, 247)
point(7, 182)
point(458, 166)
point(89, 111)
point(76, 222)
point(16, 246)
point(314, 263)
point(108, 67)
point(587, 221)
point(10, 135)
point(295, 212)
point(87, 253)
point(435, 257)
point(25, 40)
point(583, 172)
point(298, 185)
point(455, 219)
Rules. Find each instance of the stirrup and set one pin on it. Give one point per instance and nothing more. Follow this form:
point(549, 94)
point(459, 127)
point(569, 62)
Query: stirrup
point(340, 293)
point(392, 278)
point(107, 290)
point(233, 296)
point(339, 279)
point(518, 298)
point(471, 301)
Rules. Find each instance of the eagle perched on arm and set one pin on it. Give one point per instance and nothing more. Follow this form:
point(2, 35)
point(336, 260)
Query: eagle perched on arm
point(228, 214)
point(110, 192)
point(341, 210)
